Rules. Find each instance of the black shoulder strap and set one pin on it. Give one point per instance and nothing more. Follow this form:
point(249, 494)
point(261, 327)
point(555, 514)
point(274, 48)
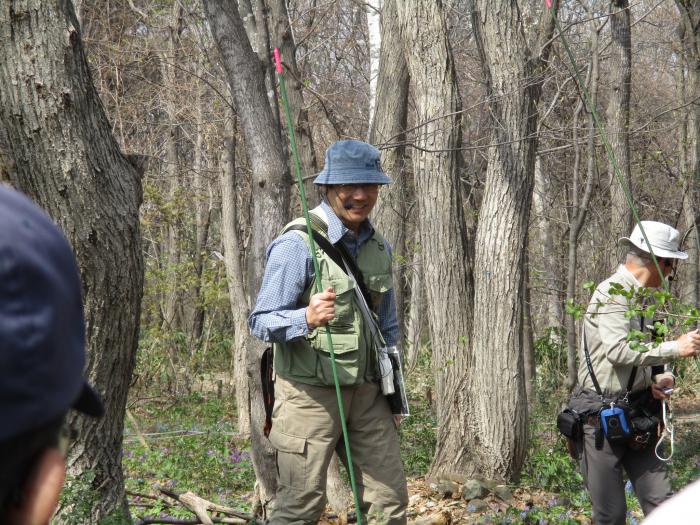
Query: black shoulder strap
point(339, 255)
point(590, 366)
point(633, 374)
point(630, 383)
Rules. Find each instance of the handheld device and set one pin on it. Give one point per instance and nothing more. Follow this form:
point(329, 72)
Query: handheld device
point(615, 425)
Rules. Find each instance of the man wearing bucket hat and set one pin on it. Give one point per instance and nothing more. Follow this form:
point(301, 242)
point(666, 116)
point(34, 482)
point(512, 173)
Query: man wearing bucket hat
point(634, 378)
point(306, 426)
point(42, 355)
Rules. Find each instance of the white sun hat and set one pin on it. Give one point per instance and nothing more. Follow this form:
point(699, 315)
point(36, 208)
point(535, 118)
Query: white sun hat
point(663, 239)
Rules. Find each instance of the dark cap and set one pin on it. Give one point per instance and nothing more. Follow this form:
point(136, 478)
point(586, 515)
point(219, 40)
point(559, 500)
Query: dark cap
point(42, 332)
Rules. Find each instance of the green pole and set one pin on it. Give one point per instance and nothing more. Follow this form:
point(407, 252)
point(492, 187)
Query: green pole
point(317, 273)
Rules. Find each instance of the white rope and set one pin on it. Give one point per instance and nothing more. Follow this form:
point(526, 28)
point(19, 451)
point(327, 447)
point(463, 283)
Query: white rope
point(668, 431)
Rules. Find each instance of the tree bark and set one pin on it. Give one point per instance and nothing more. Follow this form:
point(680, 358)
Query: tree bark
point(270, 202)
point(70, 164)
point(416, 309)
point(579, 207)
point(203, 207)
point(543, 204)
point(529, 363)
point(497, 446)
point(690, 20)
point(447, 277)
point(374, 20)
point(254, 16)
point(283, 38)
point(388, 133)
point(172, 308)
point(233, 257)
point(501, 234)
point(618, 122)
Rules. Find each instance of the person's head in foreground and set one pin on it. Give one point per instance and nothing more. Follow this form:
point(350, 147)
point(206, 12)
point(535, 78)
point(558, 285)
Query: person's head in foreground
point(42, 356)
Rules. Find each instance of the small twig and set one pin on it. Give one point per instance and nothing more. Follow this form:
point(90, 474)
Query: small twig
point(141, 495)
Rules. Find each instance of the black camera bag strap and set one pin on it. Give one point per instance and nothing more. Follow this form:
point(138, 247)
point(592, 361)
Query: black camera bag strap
point(268, 387)
point(596, 385)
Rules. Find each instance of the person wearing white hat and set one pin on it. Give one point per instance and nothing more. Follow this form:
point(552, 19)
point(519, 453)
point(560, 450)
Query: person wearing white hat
point(615, 373)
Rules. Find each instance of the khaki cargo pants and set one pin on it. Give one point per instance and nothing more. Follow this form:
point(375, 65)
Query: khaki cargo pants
point(306, 430)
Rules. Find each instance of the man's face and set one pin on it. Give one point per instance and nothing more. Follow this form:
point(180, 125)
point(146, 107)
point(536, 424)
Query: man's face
point(667, 269)
point(352, 203)
point(668, 266)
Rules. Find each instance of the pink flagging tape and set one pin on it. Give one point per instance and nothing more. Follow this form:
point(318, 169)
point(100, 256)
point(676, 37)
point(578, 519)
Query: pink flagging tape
point(278, 61)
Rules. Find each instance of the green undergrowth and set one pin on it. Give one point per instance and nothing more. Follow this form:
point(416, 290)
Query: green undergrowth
point(191, 446)
point(417, 438)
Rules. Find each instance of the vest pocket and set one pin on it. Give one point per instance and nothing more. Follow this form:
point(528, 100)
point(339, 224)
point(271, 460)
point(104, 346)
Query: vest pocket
point(346, 349)
point(378, 285)
point(294, 360)
point(344, 290)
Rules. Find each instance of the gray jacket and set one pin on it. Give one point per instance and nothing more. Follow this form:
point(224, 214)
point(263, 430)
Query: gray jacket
point(605, 330)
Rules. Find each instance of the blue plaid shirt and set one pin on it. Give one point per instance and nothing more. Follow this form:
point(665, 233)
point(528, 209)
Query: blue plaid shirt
point(289, 271)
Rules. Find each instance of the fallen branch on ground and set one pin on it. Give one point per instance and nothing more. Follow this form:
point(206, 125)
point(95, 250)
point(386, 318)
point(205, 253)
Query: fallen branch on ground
point(201, 508)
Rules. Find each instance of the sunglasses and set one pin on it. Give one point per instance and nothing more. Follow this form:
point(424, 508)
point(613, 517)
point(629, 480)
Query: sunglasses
point(668, 263)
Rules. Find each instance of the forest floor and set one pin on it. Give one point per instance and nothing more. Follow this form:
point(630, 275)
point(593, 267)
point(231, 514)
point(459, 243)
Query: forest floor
point(189, 443)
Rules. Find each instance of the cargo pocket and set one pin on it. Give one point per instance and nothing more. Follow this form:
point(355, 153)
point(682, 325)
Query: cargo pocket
point(346, 350)
point(291, 458)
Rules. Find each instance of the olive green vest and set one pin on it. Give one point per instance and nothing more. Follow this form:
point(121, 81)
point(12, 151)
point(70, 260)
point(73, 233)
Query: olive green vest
point(307, 359)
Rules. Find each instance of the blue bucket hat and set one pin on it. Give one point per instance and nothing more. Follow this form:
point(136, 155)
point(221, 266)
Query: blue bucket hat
point(42, 333)
point(352, 162)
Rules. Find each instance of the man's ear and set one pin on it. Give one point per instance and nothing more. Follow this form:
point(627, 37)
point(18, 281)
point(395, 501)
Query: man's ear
point(41, 490)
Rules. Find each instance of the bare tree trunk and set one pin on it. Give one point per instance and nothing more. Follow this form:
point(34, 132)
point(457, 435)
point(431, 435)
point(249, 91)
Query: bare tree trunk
point(172, 295)
point(440, 214)
point(235, 277)
point(618, 121)
point(416, 308)
point(501, 235)
point(388, 132)
point(203, 195)
point(270, 202)
point(496, 446)
point(374, 9)
point(579, 209)
point(254, 14)
point(70, 164)
point(282, 37)
point(690, 20)
point(529, 364)
point(543, 204)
